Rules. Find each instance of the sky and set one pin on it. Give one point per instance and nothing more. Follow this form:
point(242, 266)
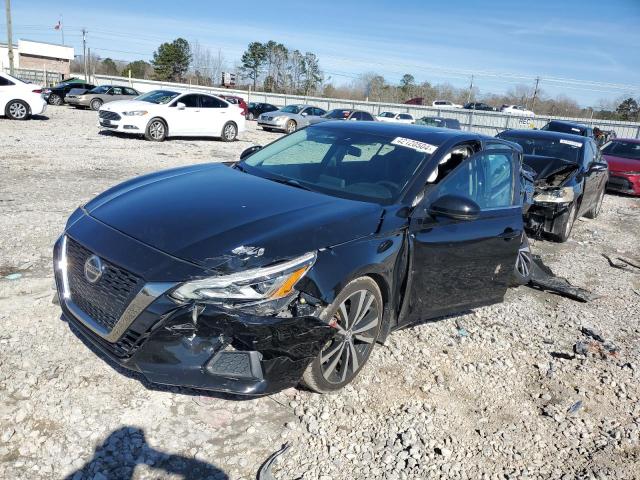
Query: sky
point(585, 49)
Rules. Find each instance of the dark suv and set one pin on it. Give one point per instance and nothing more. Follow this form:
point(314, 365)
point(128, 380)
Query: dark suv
point(480, 106)
point(56, 95)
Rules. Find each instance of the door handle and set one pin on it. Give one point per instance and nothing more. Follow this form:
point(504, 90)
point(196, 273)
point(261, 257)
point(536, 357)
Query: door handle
point(509, 234)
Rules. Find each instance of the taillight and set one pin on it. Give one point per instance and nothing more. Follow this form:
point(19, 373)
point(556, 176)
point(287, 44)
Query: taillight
point(37, 91)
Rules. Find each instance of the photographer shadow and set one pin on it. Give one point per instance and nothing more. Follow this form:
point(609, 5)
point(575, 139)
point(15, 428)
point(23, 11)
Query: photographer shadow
point(126, 448)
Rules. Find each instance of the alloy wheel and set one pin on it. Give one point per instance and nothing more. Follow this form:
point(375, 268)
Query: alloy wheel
point(291, 126)
point(229, 132)
point(598, 206)
point(156, 130)
point(56, 100)
point(18, 110)
point(250, 116)
point(524, 260)
point(570, 218)
point(357, 322)
point(96, 104)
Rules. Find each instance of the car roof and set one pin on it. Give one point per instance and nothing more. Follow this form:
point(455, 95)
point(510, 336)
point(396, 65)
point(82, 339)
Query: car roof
point(544, 134)
point(568, 124)
point(421, 133)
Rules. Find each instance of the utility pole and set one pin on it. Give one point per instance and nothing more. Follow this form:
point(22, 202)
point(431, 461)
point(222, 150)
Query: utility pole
point(89, 62)
point(470, 90)
point(84, 52)
point(7, 4)
point(535, 93)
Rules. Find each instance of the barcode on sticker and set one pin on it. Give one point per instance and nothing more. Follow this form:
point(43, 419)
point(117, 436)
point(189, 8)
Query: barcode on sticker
point(571, 142)
point(414, 144)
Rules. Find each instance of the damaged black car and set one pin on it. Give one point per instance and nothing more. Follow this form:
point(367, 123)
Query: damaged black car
point(291, 265)
point(570, 179)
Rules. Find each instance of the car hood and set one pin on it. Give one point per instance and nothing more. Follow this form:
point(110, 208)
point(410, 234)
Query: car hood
point(621, 164)
point(550, 171)
point(225, 220)
point(126, 105)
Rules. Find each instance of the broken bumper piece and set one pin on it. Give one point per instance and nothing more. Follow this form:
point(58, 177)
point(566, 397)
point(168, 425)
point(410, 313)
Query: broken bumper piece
point(546, 218)
point(206, 347)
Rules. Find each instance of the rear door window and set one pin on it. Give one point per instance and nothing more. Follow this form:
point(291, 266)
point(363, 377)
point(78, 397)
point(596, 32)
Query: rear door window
point(211, 102)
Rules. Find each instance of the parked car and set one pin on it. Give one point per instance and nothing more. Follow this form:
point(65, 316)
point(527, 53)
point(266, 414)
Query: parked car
point(570, 181)
point(256, 109)
point(239, 101)
point(517, 110)
point(391, 117)
point(289, 118)
point(291, 265)
point(445, 104)
point(439, 122)
point(344, 114)
point(569, 127)
point(480, 106)
point(623, 157)
point(20, 100)
point(160, 114)
point(98, 96)
point(56, 95)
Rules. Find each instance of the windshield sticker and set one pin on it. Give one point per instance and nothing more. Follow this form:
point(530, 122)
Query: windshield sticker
point(571, 142)
point(414, 145)
point(575, 129)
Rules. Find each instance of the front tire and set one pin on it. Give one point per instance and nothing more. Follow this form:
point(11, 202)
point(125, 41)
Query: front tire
point(250, 116)
point(17, 110)
point(357, 315)
point(569, 218)
point(229, 132)
point(291, 126)
point(96, 104)
point(156, 130)
point(595, 211)
point(55, 99)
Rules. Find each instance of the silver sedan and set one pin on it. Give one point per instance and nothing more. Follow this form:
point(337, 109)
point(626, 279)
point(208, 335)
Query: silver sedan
point(289, 118)
point(98, 96)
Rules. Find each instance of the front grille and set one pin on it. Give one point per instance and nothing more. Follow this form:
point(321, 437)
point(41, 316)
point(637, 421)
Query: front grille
point(106, 115)
point(268, 119)
point(105, 300)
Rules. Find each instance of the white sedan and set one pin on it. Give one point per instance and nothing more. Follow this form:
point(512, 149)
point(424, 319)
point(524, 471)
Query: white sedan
point(517, 110)
point(19, 100)
point(390, 117)
point(160, 114)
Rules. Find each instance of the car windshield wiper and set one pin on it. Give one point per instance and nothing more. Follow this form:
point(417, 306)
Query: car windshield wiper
point(291, 182)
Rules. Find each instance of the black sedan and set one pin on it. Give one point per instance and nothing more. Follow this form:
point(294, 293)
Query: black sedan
point(480, 106)
point(439, 122)
point(56, 95)
point(570, 182)
point(257, 109)
point(291, 265)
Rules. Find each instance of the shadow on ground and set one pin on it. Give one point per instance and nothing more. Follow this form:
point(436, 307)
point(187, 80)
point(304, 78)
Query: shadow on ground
point(126, 448)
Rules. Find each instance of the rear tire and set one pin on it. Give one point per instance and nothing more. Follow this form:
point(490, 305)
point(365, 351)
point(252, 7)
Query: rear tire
point(595, 211)
point(524, 262)
point(156, 130)
point(55, 99)
point(250, 116)
point(96, 104)
point(569, 218)
point(229, 132)
point(17, 110)
point(357, 314)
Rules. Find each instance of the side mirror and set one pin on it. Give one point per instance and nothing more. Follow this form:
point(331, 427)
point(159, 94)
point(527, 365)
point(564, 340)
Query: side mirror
point(456, 207)
point(181, 106)
point(304, 114)
point(250, 151)
point(598, 167)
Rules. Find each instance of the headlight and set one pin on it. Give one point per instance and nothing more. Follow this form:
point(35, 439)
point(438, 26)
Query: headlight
point(135, 113)
point(279, 119)
point(255, 285)
point(557, 195)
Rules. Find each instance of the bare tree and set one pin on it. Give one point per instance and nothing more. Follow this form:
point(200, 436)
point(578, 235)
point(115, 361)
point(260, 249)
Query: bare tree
point(206, 66)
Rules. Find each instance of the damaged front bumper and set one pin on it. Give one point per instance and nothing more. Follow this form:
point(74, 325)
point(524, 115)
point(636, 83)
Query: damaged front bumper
point(205, 346)
point(546, 217)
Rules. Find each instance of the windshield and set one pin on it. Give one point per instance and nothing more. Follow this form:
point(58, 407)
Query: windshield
point(387, 115)
point(291, 109)
point(11, 77)
point(565, 128)
point(561, 148)
point(158, 96)
point(101, 89)
point(620, 148)
point(431, 122)
point(343, 163)
point(339, 113)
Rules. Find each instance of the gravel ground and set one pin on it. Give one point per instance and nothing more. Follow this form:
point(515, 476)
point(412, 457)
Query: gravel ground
point(494, 393)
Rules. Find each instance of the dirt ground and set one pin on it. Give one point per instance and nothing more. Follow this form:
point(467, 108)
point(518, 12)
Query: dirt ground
point(494, 393)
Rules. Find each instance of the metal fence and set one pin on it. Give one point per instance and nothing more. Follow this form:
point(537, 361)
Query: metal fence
point(488, 123)
point(41, 77)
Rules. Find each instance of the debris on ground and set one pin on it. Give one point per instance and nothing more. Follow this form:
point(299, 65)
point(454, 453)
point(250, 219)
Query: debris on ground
point(265, 470)
point(626, 263)
point(575, 407)
point(13, 276)
point(543, 278)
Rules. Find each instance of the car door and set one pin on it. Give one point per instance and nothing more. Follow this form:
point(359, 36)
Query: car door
point(214, 114)
point(592, 176)
point(458, 264)
point(183, 119)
